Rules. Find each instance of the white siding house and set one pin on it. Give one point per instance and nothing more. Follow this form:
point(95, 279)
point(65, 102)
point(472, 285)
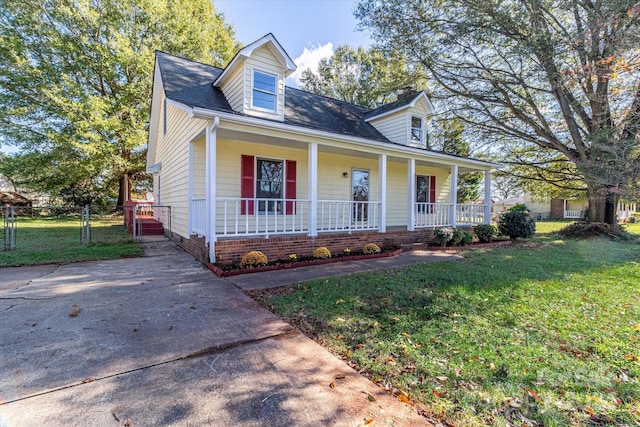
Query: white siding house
point(248, 163)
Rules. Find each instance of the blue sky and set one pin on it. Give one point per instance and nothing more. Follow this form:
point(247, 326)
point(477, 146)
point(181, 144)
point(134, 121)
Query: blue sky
point(307, 29)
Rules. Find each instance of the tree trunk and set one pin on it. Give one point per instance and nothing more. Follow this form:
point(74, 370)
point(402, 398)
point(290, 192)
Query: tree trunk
point(602, 205)
point(124, 190)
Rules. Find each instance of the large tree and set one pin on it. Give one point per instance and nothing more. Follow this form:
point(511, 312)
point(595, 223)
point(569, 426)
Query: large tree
point(75, 83)
point(554, 85)
point(365, 77)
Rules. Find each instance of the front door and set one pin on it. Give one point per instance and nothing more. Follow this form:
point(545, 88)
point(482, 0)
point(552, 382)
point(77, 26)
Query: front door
point(360, 195)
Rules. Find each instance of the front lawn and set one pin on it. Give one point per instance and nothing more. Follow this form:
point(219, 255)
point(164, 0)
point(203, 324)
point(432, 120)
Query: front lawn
point(540, 333)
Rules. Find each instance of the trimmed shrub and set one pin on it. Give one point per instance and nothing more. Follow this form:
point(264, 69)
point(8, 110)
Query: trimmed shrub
point(485, 232)
point(456, 239)
point(253, 259)
point(443, 235)
point(467, 238)
point(516, 224)
point(518, 207)
point(322, 253)
point(371, 248)
point(633, 219)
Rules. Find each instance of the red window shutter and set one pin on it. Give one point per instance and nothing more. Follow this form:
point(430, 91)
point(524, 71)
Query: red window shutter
point(290, 187)
point(432, 191)
point(247, 187)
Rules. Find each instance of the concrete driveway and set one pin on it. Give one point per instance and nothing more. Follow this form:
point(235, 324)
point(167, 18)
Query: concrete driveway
point(159, 341)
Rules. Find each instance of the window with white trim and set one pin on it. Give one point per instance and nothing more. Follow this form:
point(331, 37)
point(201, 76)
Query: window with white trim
point(417, 130)
point(264, 91)
point(269, 184)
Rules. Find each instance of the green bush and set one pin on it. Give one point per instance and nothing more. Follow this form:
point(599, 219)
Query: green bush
point(516, 224)
point(457, 238)
point(485, 232)
point(442, 236)
point(633, 219)
point(467, 238)
point(518, 207)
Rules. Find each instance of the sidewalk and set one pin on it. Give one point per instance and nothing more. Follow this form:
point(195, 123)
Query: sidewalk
point(271, 279)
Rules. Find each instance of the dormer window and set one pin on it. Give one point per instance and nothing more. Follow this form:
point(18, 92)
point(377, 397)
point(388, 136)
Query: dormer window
point(264, 91)
point(417, 130)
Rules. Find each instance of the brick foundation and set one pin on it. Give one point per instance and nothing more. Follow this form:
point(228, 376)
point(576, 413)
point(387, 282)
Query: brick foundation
point(279, 247)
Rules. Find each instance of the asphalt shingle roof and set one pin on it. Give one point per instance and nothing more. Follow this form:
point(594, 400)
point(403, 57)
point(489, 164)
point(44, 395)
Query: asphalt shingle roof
point(191, 83)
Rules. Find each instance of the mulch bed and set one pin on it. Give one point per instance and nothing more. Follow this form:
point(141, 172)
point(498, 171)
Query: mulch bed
point(234, 270)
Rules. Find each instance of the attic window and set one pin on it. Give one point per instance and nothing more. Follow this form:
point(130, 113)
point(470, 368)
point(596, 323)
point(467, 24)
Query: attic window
point(264, 91)
point(416, 130)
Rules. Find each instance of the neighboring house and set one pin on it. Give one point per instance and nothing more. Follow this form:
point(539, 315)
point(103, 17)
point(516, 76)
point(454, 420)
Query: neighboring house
point(6, 184)
point(246, 163)
point(502, 205)
point(559, 209)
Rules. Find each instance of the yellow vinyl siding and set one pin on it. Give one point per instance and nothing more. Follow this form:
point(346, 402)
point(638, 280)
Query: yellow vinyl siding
point(173, 151)
point(199, 168)
point(397, 194)
point(333, 186)
point(393, 127)
point(443, 181)
point(263, 60)
point(234, 90)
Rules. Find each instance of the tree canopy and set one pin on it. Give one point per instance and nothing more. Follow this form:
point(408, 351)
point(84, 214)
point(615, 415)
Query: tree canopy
point(365, 77)
point(553, 86)
point(75, 84)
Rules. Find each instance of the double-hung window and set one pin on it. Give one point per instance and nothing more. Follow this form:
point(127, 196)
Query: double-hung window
point(417, 130)
point(264, 91)
point(269, 185)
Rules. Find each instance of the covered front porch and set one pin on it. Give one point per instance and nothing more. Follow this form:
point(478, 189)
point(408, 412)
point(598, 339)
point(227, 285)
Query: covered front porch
point(314, 188)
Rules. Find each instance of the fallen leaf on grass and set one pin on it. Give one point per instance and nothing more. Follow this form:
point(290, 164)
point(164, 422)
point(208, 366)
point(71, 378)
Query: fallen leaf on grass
point(442, 379)
point(532, 394)
point(369, 421)
point(439, 394)
point(340, 301)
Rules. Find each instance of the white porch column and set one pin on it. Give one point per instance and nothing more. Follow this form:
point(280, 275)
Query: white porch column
point(191, 171)
point(453, 195)
point(382, 191)
point(487, 197)
point(210, 186)
point(313, 189)
point(411, 185)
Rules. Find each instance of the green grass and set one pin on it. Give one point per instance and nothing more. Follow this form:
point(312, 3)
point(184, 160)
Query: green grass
point(43, 240)
point(541, 333)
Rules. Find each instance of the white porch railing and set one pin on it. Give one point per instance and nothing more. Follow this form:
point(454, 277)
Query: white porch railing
point(432, 214)
point(198, 213)
point(573, 213)
point(469, 214)
point(345, 215)
point(254, 217)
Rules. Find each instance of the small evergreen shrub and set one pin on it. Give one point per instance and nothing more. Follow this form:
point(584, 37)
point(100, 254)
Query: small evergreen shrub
point(253, 259)
point(322, 253)
point(456, 239)
point(467, 238)
point(442, 236)
point(518, 207)
point(371, 248)
point(485, 232)
point(516, 224)
point(633, 219)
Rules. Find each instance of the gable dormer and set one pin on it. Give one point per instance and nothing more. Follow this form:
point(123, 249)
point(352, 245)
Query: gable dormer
point(253, 82)
point(404, 121)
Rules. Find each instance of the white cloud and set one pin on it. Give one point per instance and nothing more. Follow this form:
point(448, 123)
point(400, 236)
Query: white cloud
point(309, 58)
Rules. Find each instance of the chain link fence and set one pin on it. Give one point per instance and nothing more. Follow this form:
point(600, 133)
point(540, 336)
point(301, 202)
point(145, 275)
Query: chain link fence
point(55, 227)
